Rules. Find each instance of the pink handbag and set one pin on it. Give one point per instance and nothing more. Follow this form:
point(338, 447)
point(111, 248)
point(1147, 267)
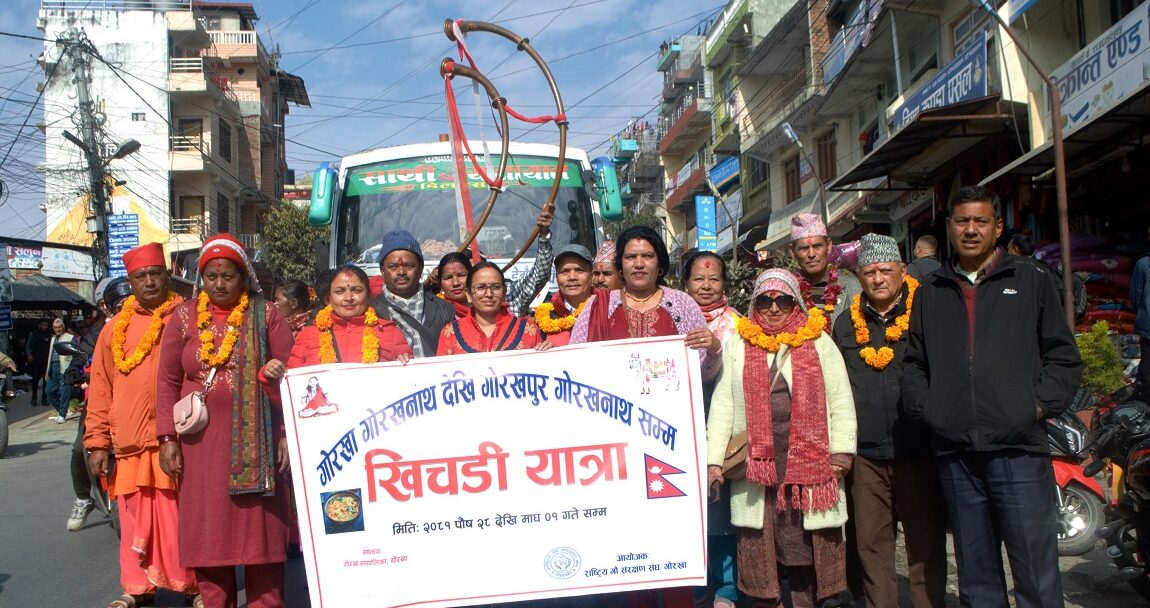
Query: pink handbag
point(191, 412)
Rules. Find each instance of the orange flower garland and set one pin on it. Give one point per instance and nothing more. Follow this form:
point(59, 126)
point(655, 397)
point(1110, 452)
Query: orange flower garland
point(147, 341)
point(370, 348)
point(753, 334)
point(881, 357)
point(208, 353)
point(553, 326)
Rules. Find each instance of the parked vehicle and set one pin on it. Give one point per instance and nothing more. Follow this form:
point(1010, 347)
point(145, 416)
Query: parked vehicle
point(1081, 500)
point(1122, 439)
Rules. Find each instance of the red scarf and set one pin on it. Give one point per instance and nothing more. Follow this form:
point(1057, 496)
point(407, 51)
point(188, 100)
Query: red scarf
point(560, 305)
point(712, 311)
point(599, 317)
point(810, 480)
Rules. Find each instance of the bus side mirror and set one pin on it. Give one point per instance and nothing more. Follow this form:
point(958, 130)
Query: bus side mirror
point(607, 185)
point(323, 184)
point(589, 186)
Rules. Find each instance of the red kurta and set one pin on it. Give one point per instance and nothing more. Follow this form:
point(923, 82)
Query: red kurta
point(348, 338)
point(216, 528)
point(511, 333)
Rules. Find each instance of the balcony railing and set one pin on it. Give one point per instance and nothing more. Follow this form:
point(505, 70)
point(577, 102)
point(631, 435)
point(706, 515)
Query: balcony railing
point(117, 5)
point(232, 36)
point(249, 241)
point(186, 65)
point(189, 143)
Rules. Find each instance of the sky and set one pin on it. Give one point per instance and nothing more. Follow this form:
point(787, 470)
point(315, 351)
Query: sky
point(372, 74)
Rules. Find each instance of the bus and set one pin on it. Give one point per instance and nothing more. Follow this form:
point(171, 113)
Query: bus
point(412, 187)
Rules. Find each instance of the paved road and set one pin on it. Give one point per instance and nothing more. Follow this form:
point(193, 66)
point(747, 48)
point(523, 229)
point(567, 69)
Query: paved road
point(42, 564)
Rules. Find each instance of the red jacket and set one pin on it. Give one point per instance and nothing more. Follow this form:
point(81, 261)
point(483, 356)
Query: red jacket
point(348, 335)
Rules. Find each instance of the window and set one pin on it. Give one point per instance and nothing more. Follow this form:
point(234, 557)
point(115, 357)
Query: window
point(827, 156)
point(869, 138)
point(223, 213)
point(224, 141)
point(189, 136)
point(138, 116)
point(211, 22)
point(965, 29)
point(792, 187)
point(758, 170)
point(1121, 8)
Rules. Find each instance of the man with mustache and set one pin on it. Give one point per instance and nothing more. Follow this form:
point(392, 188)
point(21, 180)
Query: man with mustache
point(824, 285)
point(989, 357)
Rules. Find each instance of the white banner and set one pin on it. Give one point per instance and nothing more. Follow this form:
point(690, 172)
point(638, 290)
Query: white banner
point(500, 476)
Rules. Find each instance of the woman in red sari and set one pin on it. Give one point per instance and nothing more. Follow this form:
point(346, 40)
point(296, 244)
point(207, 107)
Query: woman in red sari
point(488, 325)
point(233, 496)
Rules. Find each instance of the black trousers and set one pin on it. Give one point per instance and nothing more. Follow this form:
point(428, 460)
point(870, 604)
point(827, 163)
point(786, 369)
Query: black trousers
point(1003, 497)
point(81, 482)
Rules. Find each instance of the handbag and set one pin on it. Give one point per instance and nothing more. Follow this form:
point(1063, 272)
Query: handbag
point(191, 412)
point(735, 458)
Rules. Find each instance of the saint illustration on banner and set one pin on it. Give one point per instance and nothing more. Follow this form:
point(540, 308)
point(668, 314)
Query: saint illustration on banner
point(314, 401)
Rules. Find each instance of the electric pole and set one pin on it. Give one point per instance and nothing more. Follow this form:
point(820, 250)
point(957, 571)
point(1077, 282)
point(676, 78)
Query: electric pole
point(79, 51)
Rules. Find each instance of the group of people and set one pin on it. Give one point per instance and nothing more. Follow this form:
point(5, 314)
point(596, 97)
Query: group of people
point(864, 401)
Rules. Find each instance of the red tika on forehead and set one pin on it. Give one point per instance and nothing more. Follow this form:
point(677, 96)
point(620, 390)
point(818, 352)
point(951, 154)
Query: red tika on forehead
point(706, 263)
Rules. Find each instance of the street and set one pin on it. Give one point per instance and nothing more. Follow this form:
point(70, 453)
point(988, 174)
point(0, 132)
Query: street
point(42, 564)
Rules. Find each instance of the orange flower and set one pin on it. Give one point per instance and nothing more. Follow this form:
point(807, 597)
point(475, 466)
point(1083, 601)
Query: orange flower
point(882, 357)
point(753, 334)
point(147, 341)
point(208, 352)
point(553, 326)
point(369, 350)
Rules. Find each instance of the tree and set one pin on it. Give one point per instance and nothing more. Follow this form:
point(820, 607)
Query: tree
point(289, 242)
point(644, 217)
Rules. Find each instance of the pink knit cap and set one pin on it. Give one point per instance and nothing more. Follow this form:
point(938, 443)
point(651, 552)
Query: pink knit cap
point(780, 280)
point(606, 253)
point(806, 225)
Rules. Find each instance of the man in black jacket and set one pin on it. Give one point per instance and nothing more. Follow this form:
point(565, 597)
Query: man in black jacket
point(419, 314)
point(989, 357)
point(893, 478)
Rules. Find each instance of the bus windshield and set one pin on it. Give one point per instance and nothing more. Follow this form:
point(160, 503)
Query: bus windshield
point(418, 195)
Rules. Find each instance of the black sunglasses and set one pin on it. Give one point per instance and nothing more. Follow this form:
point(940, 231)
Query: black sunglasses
point(784, 302)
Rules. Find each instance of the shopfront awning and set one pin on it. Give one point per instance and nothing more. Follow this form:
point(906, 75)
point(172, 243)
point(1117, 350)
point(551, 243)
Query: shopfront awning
point(1099, 138)
point(917, 152)
point(38, 292)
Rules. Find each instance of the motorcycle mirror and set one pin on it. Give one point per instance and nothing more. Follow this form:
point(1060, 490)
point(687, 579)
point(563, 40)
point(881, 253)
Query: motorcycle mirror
point(1093, 468)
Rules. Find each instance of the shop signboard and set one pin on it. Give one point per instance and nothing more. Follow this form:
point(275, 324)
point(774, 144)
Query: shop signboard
point(123, 234)
point(68, 264)
point(24, 258)
point(5, 317)
point(1015, 8)
point(404, 472)
point(1107, 71)
point(963, 79)
point(725, 172)
point(705, 223)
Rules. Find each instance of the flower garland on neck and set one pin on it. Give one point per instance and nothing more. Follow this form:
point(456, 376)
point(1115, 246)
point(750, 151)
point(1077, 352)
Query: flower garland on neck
point(754, 335)
point(208, 353)
point(551, 325)
point(370, 349)
point(147, 341)
point(881, 357)
point(830, 292)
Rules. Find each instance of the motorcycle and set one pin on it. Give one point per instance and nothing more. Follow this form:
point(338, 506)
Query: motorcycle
point(1122, 439)
point(1081, 500)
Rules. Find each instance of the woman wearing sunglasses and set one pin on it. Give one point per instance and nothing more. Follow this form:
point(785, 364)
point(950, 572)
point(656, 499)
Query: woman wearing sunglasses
point(488, 326)
point(785, 385)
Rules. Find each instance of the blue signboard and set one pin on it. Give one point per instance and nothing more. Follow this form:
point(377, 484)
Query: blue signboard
point(960, 80)
point(705, 223)
point(725, 172)
point(123, 234)
point(1014, 8)
point(5, 317)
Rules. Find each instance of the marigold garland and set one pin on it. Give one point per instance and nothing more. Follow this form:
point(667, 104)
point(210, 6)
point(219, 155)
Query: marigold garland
point(370, 347)
point(881, 357)
point(208, 353)
point(551, 325)
point(830, 292)
point(147, 341)
point(753, 334)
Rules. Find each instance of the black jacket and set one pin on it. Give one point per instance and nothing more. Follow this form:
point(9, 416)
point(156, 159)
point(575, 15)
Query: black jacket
point(884, 432)
point(1024, 355)
point(437, 312)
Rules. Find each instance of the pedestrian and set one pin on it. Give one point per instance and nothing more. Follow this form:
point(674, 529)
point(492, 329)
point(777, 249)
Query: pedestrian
point(785, 385)
point(925, 258)
point(36, 353)
point(233, 489)
point(293, 299)
point(705, 280)
point(823, 284)
point(56, 389)
point(347, 330)
point(989, 357)
point(1140, 300)
point(644, 307)
point(1022, 246)
point(604, 274)
point(893, 479)
point(556, 316)
point(121, 418)
point(419, 314)
point(489, 326)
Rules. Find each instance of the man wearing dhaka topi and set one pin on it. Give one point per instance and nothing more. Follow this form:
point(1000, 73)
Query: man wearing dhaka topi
point(823, 285)
point(122, 416)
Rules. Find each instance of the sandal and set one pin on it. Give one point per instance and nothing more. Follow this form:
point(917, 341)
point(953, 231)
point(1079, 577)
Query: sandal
point(132, 601)
point(195, 600)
